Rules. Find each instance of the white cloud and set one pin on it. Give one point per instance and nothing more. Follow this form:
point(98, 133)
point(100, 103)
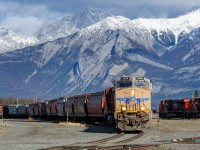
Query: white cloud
point(25, 19)
point(27, 25)
point(135, 3)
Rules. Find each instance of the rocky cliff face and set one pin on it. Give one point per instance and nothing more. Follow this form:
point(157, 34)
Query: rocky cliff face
point(70, 24)
point(89, 59)
point(10, 41)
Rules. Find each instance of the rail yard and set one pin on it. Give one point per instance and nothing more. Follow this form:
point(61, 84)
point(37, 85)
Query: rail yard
point(35, 134)
point(120, 117)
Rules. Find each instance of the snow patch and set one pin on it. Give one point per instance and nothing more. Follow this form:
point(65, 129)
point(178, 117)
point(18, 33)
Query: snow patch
point(140, 72)
point(30, 76)
point(190, 69)
point(117, 69)
point(142, 59)
point(191, 52)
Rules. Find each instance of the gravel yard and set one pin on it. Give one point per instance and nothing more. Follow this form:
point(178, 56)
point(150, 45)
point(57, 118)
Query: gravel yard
point(18, 134)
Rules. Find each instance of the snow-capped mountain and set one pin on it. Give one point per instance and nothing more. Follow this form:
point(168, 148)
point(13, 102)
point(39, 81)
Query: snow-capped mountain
point(10, 41)
point(74, 66)
point(89, 59)
point(178, 26)
point(71, 24)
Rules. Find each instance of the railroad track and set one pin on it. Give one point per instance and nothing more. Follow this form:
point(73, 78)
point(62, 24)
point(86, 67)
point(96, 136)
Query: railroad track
point(131, 139)
point(105, 143)
point(108, 139)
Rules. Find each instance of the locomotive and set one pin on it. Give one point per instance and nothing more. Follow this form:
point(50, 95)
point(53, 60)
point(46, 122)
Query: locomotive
point(127, 104)
point(180, 108)
point(132, 102)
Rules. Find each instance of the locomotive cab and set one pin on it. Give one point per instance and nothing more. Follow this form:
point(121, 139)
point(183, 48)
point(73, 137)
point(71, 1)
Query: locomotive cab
point(132, 102)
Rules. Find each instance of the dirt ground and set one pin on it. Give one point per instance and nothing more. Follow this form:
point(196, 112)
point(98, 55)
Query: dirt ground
point(177, 134)
point(164, 134)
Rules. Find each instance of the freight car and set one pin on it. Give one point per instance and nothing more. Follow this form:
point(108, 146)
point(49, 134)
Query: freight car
point(12, 111)
point(1, 111)
point(127, 103)
point(180, 108)
point(22, 111)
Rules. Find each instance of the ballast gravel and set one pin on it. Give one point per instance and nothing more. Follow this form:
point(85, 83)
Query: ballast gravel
point(22, 134)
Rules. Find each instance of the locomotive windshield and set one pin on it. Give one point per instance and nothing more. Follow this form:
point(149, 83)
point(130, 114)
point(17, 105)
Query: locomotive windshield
point(141, 84)
point(122, 84)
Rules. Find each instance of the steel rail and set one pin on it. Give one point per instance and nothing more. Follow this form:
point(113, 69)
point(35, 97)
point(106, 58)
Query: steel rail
point(130, 139)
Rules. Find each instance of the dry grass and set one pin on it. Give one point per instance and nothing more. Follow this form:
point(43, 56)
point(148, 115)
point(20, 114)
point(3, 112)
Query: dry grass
point(30, 118)
point(72, 124)
point(168, 130)
point(5, 124)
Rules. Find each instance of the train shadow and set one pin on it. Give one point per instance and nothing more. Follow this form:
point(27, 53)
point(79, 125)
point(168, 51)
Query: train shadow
point(29, 120)
point(101, 128)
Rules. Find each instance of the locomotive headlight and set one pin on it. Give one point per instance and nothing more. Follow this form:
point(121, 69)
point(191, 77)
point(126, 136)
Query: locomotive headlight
point(123, 108)
point(142, 108)
point(133, 92)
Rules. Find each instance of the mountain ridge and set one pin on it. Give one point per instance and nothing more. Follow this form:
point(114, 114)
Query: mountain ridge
point(89, 59)
point(10, 41)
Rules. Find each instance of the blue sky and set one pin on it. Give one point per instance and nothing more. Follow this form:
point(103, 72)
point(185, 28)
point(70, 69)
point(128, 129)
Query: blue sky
point(26, 16)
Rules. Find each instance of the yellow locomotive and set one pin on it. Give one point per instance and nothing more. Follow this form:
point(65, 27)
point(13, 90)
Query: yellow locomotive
point(132, 102)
